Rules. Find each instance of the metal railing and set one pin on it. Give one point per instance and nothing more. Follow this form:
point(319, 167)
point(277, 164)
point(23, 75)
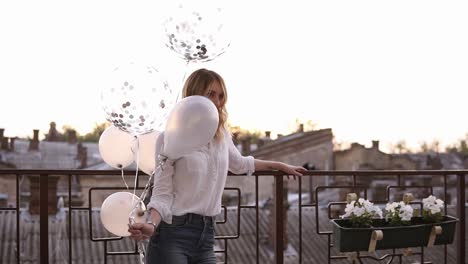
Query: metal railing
point(352, 184)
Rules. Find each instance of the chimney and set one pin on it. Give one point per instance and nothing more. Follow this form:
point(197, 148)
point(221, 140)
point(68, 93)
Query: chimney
point(4, 143)
point(268, 134)
point(72, 136)
point(53, 134)
point(375, 144)
point(34, 199)
point(300, 129)
point(12, 143)
point(434, 163)
point(235, 138)
point(82, 156)
point(279, 135)
point(2, 130)
point(245, 144)
point(284, 215)
point(79, 149)
point(34, 143)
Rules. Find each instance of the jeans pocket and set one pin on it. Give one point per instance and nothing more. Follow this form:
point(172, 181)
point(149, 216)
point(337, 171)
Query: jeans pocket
point(175, 224)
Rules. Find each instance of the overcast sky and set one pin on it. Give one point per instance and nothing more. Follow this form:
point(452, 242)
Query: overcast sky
point(370, 70)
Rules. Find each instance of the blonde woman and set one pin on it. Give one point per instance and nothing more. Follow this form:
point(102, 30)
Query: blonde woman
point(187, 196)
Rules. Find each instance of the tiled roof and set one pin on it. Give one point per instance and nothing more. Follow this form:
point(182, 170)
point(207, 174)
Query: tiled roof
point(301, 139)
point(241, 250)
point(51, 155)
point(83, 249)
point(449, 161)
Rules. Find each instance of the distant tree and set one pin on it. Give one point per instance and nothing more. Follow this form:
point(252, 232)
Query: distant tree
point(424, 147)
point(308, 125)
point(340, 145)
point(95, 134)
point(66, 129)
point(254, 135)
point(433, 146)
point(399, 147)
point(460, 147)
point(463, 146)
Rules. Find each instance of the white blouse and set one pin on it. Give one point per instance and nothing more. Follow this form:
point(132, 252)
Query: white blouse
point(195, 182)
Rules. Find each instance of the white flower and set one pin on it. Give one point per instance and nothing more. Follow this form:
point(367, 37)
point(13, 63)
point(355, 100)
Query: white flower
point(349, 209)
point(430, 199)
point(364, 202)
point(350, 206)
point(360, 208)
point(377, 211)
point(391, 206)
point(358, 211)
point(433, 204)
point(406, 212)
point(433, 209)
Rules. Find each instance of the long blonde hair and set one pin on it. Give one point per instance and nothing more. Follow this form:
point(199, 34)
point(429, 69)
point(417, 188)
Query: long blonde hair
point(199, 83)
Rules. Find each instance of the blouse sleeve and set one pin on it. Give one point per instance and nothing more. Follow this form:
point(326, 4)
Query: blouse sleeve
point(239, 164)
point(163, 195)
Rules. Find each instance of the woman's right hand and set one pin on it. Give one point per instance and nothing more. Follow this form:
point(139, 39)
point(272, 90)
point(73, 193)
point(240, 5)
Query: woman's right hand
point(141, 231)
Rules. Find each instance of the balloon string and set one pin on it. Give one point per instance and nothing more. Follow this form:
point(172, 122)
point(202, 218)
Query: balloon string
point(123, 178)
point(142, 251)
point(161, 161)
point(131, 219)
point(136, 153)
point(183, 80)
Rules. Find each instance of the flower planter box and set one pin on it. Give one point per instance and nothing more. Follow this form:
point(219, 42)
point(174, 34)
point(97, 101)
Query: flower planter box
point(348, 239)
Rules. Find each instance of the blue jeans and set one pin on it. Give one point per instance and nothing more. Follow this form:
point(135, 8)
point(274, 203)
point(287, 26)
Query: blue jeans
point(189, 239)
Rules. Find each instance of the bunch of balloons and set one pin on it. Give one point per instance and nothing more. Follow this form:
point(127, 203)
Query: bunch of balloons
point(144, 113)
point(192, 123)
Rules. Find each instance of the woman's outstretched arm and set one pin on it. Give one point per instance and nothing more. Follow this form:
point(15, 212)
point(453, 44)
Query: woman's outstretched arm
point(276, 165)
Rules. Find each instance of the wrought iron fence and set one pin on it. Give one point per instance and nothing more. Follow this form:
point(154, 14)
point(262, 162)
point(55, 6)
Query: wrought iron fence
point(352, 181)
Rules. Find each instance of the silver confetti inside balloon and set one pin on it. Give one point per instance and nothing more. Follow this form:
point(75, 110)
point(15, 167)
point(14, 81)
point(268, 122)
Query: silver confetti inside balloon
point(137, 99)
point(196, 32)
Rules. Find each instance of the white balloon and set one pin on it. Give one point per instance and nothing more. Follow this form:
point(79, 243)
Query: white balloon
point(147, 152)
point(191, 124)
point(115, 147)
point(115, 212)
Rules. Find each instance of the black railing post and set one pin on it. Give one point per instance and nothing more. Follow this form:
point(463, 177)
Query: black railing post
point(18, 237)
point(279, 221)
point(461, 215)
point(43, 219)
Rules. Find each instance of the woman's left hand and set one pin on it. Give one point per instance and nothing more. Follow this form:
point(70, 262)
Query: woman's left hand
point(291, 170)
point(141, 231)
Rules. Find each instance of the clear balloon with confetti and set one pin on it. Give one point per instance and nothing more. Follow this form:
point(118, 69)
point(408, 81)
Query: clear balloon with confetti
point(197, 31)
point(137, 99)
